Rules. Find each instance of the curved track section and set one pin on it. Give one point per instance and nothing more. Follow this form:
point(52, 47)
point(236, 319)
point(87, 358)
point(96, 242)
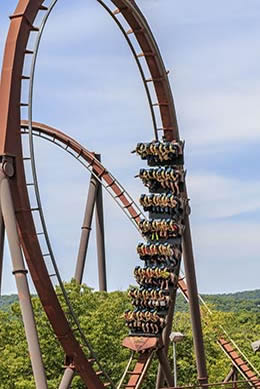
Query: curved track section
point(131, 210)
point(159, 75)
point(10, 144)
point(87, 159)
point(146, 81)
point(17, 51)
point(229, 347)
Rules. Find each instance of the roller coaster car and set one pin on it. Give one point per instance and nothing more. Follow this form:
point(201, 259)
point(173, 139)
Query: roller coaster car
point(139, 343)
point(161, 153)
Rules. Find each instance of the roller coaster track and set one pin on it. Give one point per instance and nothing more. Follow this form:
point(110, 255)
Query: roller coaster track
point(229, 347)
point(127, 205)
point(21, 29)
point(133, 213)
point(93, 165)
point(13, 81)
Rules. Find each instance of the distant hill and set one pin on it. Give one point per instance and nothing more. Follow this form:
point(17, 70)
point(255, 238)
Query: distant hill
point(236, 302)
point(227, 302)
point(6, 301)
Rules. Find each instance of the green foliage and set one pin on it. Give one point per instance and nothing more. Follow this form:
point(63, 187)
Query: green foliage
point(100, 315)
point(236, 302)
point(228, 302)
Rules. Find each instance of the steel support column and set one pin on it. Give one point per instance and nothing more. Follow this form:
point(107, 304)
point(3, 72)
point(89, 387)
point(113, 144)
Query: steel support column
point(2, 237)
point(20, 272)
point(166, 335)
point(190, 275)
point(86, 228)
point(100, 237)
point(230, 375)
point(164, 363)
point(67, 378)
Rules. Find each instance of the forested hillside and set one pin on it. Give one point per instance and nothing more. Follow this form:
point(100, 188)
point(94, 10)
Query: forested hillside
point(236, 302)
point(226, 302)
point(100, 315)
point(6, 301)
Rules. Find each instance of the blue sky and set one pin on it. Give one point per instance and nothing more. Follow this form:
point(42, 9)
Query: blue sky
point(87, 84)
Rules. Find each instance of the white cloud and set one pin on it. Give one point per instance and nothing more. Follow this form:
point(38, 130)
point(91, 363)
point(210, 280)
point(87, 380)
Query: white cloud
point(216, 197)
point(227, 256)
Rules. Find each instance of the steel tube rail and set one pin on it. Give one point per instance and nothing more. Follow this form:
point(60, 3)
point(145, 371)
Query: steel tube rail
point(170, 119)
point(78, 149)
point(156, 86)
point(188, 259)
point(20, 273)
point(21, 26)
point(148, 94)
point(10, 145)
point(233, 343)
point(126, 370)
point(58, 136)
point(34, 174)
point(148, 363)
point(154, 61)
point(30, 118)
point(36, 48)
point(88, 160)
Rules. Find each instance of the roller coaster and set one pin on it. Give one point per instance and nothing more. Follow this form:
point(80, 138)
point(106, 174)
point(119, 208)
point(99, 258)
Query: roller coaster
point(165, 233)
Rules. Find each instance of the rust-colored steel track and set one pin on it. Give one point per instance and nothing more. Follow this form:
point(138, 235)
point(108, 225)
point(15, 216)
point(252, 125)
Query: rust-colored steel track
point(240, 364)
point(21, 26)
point(10, 144)
point(57, 137)
point(239, 361)
point(138, 373)
point(159, 77)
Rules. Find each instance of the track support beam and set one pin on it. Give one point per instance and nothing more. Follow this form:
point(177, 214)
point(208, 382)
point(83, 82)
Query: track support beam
point(20, 274)
point(232, 377)
point(166, 334)
point(95, 197)
point(190, 275)
point(100, 237)
point(67, 378)
point(164, 363)
point(86, 228)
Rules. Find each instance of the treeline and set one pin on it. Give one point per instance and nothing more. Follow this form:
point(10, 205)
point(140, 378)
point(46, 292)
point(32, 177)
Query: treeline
point(100, 315)
point(6, 301)
point(227, 302)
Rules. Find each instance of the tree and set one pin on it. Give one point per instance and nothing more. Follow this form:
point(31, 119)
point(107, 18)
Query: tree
point(100, 315)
